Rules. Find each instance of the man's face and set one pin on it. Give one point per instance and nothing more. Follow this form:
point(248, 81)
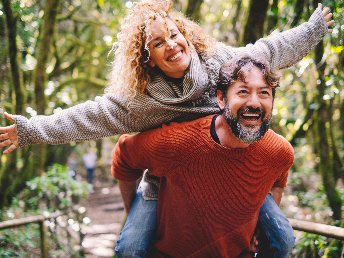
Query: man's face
point(169, 49)
point(248, 106)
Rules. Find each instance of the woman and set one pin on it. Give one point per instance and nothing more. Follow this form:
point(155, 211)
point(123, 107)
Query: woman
point(165, 69)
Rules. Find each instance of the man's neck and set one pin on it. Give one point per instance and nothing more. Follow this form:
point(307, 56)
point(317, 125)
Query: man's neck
point(226, 136)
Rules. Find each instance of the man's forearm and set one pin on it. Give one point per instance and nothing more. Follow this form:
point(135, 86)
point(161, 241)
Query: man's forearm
point(277, 193)
point(128, 190)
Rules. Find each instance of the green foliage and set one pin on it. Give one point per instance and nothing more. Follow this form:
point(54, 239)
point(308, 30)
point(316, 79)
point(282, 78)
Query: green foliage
point(315, 246)
point(53, 191)
point(311, 246)
point(21, 241)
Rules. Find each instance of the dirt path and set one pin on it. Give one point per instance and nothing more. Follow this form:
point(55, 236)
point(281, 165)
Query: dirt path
point(105, 209)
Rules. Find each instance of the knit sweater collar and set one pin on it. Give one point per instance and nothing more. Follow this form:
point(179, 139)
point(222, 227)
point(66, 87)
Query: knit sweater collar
point(194, 85)
point(233, 152)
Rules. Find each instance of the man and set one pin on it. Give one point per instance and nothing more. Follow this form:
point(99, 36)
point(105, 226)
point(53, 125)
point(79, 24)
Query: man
point(215, 171)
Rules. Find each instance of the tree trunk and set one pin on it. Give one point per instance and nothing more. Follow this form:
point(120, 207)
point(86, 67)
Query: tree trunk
point(19, 97)
point(273, 17)
point(341, 121)
point(298, 12)
point(301, 132)
point(235, 20)
point(326, 165)
point(43, 53)
point(254, 28)
point(8, 179)
point(337, 161)
point(194, 9)
point(40, 75)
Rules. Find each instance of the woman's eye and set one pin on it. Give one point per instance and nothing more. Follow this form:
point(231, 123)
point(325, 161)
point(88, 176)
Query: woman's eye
point(174, 35)
point(158, 44)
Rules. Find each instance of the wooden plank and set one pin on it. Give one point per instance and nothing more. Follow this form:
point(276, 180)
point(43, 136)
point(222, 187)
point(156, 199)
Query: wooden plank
point(318, 228)
point(44, 240)
point(24, 221)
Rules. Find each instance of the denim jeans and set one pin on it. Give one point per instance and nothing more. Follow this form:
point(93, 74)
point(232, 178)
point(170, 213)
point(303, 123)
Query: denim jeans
point(137, 234)
point(277, 234)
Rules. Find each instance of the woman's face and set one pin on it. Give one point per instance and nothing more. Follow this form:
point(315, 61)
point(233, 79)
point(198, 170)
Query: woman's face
point(169, 49)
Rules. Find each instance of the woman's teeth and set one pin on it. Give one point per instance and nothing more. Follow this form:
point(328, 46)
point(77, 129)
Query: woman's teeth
point(174, 57)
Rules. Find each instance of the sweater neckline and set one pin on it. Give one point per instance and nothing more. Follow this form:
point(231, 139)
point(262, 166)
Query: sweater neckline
point(194, 83)
point(221, 147)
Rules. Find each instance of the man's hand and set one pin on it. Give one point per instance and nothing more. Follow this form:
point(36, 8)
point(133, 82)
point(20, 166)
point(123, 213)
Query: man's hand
point(8, 135)
point(327, 16)
point(254, 244)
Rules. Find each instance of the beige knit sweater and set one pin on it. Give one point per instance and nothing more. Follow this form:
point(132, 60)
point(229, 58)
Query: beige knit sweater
point(113, 114)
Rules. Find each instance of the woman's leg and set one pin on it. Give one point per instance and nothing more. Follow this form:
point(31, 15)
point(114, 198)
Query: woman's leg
point(137, 235)
point(278, 232)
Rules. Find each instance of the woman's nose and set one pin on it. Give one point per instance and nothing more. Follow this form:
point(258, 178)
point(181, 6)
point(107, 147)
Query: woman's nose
point(171, 43)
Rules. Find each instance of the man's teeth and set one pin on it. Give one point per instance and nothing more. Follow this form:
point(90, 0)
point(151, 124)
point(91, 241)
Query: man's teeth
point(172, 58)
point(249, 116)
point(252, 115)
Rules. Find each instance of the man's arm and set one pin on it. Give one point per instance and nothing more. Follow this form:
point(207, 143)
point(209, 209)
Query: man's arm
point(277, 193)
point(131, 155)
point(128, 191)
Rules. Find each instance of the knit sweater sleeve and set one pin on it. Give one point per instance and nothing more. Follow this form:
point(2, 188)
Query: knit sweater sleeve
point(126, 164)
point(134, 153)
point(286, 48)
point(286, 151)
point(105, 116)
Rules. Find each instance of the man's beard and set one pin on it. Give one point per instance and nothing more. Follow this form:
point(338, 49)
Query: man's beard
point(247, 134)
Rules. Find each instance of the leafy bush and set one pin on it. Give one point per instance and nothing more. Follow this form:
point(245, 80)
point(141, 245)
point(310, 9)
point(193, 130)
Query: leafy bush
point(315, 246)
point(53, 191)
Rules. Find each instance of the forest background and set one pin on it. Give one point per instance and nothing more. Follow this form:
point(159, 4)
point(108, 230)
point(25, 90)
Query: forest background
point(54, 54)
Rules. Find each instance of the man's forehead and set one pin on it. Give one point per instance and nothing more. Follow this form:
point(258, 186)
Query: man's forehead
point(250, 71)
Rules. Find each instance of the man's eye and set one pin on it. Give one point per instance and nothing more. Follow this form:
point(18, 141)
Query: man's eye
point(265, 93)
point(243, 92)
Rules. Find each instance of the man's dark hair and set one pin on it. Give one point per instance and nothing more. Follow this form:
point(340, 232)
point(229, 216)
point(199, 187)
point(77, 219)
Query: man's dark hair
point(234, 71)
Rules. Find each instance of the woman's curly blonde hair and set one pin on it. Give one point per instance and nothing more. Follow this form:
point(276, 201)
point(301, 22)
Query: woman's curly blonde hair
point(130, 72)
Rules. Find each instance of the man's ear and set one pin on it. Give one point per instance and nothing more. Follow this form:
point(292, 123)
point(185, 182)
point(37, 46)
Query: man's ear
point(220, 99)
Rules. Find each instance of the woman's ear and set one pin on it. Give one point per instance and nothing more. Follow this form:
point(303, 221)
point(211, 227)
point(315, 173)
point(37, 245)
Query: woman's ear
point(151, 63)
point(220, 99)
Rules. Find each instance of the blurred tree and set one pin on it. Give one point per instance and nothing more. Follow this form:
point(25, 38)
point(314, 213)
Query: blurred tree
point(324, 114)
point(254, 28)
point(44, 46)
point(193, 9)
point(18, 98)
point(299, 6)
point(272, 16)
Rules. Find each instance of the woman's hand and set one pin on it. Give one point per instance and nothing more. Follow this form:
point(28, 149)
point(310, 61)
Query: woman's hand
point(327, 16)
point(8, 135)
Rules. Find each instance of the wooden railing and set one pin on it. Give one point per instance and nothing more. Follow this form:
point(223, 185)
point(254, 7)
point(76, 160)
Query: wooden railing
point(40, 220)
point(300, 225)
point(318, 229)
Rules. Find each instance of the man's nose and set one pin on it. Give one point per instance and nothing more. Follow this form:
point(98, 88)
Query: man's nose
point(253, 101)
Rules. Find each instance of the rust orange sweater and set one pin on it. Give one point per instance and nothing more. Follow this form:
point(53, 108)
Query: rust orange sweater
point(209, 195)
